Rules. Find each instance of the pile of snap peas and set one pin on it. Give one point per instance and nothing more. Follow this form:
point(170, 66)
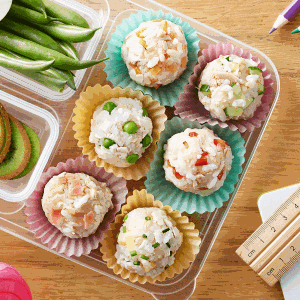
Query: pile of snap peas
point(36, 40)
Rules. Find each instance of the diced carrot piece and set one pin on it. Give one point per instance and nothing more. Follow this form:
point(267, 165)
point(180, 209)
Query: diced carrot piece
point(153, 80)
point(202, 161)
point(137, 70)
point(55, 216)
point(155, 70)
point(132, 65)
point(171, 68)
point(220, 142)
point(184, 47)
point(88, 219)
point(203, 189)
point(186, 144)
point(193, 133)
point(157, 86)
point(143, 43)
point(167, 56)
point(183, 62)
point(221, 174)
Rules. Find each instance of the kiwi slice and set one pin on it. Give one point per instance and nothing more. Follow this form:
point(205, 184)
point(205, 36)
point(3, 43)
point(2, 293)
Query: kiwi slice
point(18, 155)
point(35, 151)
point(4, 148)
point(2, 132)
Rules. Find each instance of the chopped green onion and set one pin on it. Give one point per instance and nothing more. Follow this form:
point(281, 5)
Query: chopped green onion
point(136, 263)
point(228, 58)
point(166, 267)
point(171, 253)
point(155, 245)
point(255, 70)
point(205, 89)
point(233, 84)
point(125, 218)
point(144, 236)
point(165, 230)
point(133, 253)
point(124, 229)
point(168, 245)
point(118, 234)
point(144, 257)
point(147, 218)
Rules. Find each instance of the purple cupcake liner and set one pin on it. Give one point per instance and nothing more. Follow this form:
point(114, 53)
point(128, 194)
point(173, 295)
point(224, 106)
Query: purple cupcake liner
point(49, 234)
point(189, 106)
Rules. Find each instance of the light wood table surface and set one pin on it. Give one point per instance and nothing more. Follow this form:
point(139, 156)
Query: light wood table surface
point(275, 165)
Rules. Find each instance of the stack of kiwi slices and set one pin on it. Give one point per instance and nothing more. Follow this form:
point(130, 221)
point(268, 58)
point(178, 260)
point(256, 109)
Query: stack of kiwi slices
point(20, 147)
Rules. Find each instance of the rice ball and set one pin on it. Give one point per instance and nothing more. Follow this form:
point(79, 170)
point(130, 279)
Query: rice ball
point(197, 161)
point(147, 241)
point(231, 87)
point(121, 131)
point(155, 53)
point(76, 203)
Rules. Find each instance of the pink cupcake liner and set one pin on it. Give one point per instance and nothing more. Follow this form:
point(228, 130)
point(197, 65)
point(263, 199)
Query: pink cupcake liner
point(49, 234)
point(189, 106)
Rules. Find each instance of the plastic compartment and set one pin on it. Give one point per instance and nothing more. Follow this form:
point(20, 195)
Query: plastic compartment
point(86, 51)
point(46, 126)
point(209, 224)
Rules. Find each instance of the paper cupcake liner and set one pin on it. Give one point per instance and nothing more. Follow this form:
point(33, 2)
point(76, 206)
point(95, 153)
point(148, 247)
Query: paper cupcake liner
point(169, 194)
point(190, 107)
point(49, 234)
point(184, 256)
point(84, 110)
point(116, 68)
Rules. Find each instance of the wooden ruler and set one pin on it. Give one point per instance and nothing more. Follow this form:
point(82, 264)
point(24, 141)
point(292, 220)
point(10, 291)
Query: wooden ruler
point(275, 246)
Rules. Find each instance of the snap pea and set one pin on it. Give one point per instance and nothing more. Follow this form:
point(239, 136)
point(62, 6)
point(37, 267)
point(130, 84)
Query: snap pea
point(66, 15)
point(37, 5)
point(68, 33)
point(55, 84)
point(37, 52)
point(32, 16)
point(69, 49)
point(22, 64)
point(31, 33)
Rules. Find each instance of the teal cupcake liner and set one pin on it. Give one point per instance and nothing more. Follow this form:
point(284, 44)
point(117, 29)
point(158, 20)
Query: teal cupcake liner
point(165, 191)
point(116, 69)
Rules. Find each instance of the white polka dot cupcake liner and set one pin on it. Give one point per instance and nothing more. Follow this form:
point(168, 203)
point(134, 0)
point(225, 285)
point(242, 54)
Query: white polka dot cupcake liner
point(188, 106)
point(48, 233)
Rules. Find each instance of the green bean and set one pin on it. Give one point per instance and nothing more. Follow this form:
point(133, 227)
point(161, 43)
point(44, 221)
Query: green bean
point(69, 33)
point(61, 74)
point(55, 84)
point(37, 5)
point(69, 49)
point(37, 52)
point(66, 15)
point(22, 64)
point(32, 16)
point(31, 33)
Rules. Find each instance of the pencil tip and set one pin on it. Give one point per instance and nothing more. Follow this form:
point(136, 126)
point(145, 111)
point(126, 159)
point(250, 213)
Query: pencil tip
point(295, 31)
point(272, 30)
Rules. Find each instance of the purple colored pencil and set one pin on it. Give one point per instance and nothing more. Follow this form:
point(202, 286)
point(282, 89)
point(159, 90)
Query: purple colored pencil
point(287, 15)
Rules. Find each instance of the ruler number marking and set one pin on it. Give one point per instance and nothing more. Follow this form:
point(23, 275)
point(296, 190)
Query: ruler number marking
point(282, 260)
point(293, 248)
point(273, 229)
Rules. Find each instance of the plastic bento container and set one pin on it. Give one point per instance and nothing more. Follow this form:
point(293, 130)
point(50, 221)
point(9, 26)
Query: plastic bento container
point(12, 218)
point(45, 124)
